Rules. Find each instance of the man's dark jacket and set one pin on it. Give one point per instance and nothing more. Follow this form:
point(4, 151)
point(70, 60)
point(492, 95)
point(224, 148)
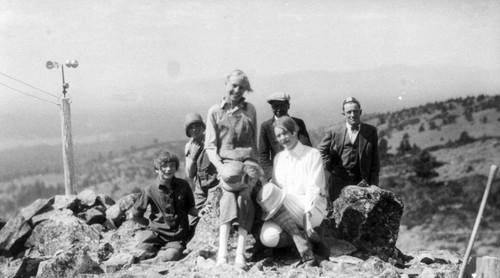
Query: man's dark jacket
point(269, 146)
point(331, 151)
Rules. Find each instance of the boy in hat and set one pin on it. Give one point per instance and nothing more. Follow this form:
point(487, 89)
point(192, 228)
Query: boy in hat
point(170, 200)
point(268, 144)
point(199, 169)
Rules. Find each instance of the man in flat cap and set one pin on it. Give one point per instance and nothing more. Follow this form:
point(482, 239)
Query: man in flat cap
point(268, 144)
point(350, 151)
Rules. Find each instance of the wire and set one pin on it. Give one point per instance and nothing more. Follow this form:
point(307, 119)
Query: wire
point(29, 85)
point(28, 94)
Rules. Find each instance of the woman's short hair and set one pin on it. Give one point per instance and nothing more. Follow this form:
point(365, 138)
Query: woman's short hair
point(243, 75)
point(163, 156)
point(287, 123)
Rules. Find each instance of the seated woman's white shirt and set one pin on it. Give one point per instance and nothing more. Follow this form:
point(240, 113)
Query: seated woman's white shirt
point(295, 204)
point(299, 172)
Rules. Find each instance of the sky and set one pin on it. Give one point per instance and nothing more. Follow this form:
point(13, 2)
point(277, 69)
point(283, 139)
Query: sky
point(142, 44)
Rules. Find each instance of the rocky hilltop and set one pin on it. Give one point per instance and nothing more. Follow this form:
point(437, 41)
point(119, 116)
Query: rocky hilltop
point(88, 235)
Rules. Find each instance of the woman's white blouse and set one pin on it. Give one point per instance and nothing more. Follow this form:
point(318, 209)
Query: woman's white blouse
point(300, 172)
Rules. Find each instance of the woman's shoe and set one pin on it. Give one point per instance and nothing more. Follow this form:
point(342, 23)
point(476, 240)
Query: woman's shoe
point(240, 262)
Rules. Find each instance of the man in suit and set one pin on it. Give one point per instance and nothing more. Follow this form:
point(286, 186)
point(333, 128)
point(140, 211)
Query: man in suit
point(268, 144)
point(350, 152)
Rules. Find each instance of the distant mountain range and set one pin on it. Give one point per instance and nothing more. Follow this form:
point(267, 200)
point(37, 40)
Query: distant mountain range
point(140, 114)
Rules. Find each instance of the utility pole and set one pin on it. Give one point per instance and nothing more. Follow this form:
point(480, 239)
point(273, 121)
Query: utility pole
point(67, 139)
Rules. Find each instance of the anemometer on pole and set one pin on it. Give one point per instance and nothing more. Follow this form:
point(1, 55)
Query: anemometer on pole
point(67, 141)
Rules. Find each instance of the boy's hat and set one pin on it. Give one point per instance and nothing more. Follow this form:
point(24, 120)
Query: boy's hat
point(270, 198)
point(278, 96)
point(192, 118)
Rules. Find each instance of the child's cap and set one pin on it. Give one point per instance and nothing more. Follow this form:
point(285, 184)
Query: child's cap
point(192, 118)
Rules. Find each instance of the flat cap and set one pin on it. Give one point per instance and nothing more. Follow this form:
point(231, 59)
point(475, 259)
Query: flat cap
point(350, 100)
point(278, 96)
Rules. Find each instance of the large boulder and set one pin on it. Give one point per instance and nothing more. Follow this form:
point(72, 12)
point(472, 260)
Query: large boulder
point(60, 233)
point(15, 232)
point(368, 218)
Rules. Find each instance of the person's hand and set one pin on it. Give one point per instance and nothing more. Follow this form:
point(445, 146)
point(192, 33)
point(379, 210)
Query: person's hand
point(194, 149)
point(206, 209)
point(312, 235)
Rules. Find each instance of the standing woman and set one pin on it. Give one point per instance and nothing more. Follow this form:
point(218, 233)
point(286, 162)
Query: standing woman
point(231, 135)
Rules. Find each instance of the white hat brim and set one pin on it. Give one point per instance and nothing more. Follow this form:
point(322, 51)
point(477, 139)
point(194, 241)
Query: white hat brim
point(268, 214)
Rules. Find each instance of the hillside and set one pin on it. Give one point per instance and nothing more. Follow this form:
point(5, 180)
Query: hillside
point(434, 125)
point(462, 136)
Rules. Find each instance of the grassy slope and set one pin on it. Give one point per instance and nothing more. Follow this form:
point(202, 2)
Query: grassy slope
point(442, 217)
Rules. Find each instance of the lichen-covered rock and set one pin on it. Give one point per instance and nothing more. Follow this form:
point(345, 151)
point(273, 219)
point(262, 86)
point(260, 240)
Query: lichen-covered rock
point(28, 267)
point(440, 263)
point(88, 198)
point(105, 251)
point(368, 217)
point(62, 213)
point(428, 273)
point(15, 232)
point(69, 263)
point(106, 200)
point(206, 237)
point(116, 212)
point(65, 202)
point(93, 215)
point(437, 256)
point(58, 233)
point(119, 261)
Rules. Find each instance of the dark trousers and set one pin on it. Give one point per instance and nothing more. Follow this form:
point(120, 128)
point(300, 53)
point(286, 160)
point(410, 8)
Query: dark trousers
point(152, 243)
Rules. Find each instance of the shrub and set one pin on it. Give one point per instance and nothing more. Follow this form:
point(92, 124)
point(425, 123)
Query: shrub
point(424, 165)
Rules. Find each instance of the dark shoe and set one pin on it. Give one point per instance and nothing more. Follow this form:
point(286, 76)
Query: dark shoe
point(259, 252)
point(320, 249)
point(310, 262)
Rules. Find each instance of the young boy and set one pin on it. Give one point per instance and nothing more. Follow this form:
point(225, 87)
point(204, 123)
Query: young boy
point(199, 169)
point(171, 200)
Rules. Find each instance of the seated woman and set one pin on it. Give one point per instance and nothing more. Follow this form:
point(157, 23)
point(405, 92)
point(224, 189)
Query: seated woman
point(298, 172)
point(231, 137)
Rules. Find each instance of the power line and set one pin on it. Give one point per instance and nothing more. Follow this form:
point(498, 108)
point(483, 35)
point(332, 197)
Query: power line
point(27, 94)
point(29, 85)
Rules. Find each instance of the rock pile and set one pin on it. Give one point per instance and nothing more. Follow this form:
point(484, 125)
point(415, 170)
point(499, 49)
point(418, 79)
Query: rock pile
point(61, 236)
point(89, 235)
